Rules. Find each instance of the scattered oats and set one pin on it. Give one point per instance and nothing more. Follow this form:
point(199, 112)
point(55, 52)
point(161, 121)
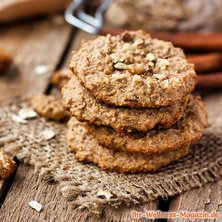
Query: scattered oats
point(162, 63)
point(165, 84)
point(27, 113)
point(42, 69)
point(150, 57)
point(48, 134)
point(35, 205)
point(138, 42)
point(159, 76)
point(105, 194)
point(117, 76)
point(136, 68)
point(137, 79)
point(120, 65)
point(18, 119)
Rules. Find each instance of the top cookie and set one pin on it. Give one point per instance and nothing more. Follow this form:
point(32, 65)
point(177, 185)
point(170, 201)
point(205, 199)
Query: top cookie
point(132, 69)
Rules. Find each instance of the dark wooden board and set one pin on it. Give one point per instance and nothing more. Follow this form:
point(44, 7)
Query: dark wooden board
point(27, 187)
point(31, 44)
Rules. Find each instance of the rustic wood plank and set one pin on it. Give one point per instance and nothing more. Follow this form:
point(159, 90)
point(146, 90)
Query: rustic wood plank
point(27, 187)
point(208, 198)
point(31, 44)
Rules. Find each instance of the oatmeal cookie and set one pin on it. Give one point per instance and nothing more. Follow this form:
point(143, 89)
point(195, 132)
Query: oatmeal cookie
point(85, 107)
point(187, 130)
point(49, 107)
point(87, 149)
point(134, 70)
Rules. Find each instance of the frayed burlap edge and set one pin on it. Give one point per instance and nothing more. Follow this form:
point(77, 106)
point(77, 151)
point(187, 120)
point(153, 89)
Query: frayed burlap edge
point(80, 183)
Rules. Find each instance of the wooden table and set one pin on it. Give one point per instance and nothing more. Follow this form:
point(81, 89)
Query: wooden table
point(49, 41)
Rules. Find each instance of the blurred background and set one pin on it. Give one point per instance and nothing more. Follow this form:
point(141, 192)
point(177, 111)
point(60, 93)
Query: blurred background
point(37, 36)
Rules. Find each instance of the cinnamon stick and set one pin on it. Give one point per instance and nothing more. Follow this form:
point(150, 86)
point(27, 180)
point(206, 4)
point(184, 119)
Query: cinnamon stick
point(210, 81)
point(190, 41)
point(206, 62)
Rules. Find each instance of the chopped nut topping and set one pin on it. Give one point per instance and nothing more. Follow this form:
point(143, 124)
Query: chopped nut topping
point(136, 68)
point(116, 58)
point(138, 42)
point(162, 63)
point(120, 65)
point(117, 76)
point(137, 79)
point(7, 166)
point(165, 84)
point(150, 64)
point(127, 37)
point(150, 57)
point(159, 76)
point(126, 47)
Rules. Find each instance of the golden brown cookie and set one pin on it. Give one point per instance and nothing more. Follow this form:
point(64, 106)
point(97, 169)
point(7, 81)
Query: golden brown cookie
point(60, 78)
point(132, 69)
point(85, 107)
point(87, 149)
point(49, 107)
point(186, 131)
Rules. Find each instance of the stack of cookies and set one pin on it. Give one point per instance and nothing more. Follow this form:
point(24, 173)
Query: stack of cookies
point(129, 97)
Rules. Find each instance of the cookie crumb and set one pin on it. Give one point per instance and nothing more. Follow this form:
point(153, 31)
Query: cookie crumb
point(61, 78)
point(35, 205)
point(7, 166)
point(120, 65)
point(49, 107)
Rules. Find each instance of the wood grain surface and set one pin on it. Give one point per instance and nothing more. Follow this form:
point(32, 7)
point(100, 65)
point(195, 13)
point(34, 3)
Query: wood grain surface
point(31, 44)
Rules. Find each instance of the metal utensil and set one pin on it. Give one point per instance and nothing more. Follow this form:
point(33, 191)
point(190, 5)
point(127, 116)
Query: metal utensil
point(76, 16)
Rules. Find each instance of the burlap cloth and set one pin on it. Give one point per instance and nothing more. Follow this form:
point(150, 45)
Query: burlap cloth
point(80, 183)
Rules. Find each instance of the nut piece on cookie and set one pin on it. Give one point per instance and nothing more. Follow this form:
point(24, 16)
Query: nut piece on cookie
point(5, 61)
point(133, 53)
point(61, 78)
point(7, 166)
point(49, 107)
